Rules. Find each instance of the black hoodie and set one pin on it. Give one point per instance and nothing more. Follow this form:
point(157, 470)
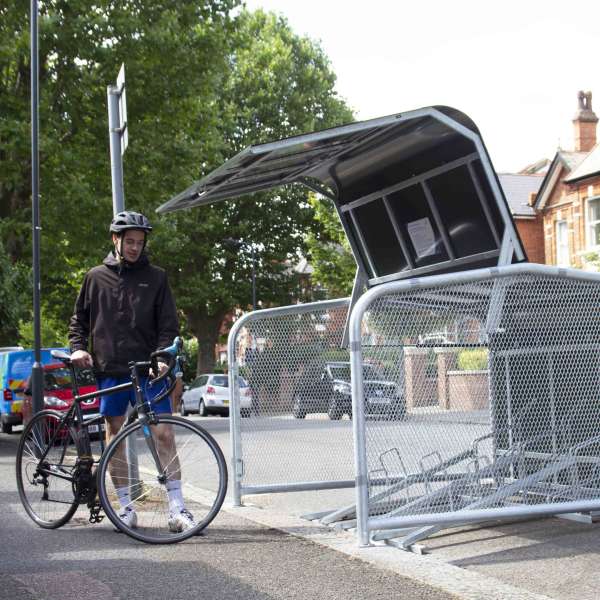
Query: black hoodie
point(124, 312)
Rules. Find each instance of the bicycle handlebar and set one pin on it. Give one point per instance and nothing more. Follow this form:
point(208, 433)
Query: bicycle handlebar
point(173, 370)
point(173, 366)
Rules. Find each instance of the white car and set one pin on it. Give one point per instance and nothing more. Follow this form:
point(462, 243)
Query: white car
point(209, 394)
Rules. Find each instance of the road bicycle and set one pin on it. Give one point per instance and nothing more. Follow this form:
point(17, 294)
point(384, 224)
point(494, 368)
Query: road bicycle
point(60, 467)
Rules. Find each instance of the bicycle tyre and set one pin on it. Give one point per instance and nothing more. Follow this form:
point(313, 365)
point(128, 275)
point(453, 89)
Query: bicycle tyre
point(204, 476)
point(60, 503)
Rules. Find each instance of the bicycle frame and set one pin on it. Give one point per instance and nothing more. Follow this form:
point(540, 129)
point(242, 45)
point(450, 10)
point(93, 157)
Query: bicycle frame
point(74, 417)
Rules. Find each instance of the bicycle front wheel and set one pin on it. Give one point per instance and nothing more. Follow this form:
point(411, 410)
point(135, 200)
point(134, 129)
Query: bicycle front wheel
point(46, 462)
point(158, 471)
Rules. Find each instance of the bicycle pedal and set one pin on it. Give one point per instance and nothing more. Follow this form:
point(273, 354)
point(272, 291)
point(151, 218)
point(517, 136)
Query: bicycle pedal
point(95, 516)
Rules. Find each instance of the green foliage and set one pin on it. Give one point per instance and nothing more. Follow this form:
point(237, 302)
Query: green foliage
point(329, 251)
point(202, 83)
point(190, 358)
point(13, 286)
point(53, 332)
point(475, 359)
point(592, 259)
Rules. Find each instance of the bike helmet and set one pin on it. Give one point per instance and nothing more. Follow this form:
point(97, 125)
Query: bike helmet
point(129, 220)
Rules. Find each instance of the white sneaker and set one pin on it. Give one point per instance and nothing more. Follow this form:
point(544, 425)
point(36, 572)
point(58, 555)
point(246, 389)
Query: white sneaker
point(181, 521)
point(129, 518)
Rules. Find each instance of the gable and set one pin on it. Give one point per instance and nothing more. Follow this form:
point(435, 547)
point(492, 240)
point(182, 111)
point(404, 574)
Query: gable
point(557, 194)
point(562, 165)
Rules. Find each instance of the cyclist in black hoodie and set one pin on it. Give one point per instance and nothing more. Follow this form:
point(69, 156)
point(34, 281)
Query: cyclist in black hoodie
point(125, 311)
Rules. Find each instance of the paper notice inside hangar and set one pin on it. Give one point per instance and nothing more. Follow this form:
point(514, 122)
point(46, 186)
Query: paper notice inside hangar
point(422, 237)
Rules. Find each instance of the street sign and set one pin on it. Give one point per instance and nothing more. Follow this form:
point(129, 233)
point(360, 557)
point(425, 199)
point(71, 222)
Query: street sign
point(117, 128)
point(122, 109)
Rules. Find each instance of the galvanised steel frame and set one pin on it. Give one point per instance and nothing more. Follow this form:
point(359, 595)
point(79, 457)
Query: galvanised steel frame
point(407, 520)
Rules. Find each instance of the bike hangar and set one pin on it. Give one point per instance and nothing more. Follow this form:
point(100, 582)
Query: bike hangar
point(435, 245)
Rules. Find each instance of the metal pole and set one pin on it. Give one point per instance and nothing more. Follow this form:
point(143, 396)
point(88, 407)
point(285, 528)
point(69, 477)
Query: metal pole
point(235, 433)
point(116, 159)
point(116, 170)
point(359, 428)
point(36, 372)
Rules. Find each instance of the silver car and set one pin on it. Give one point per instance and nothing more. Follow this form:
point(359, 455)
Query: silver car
point(209, 394)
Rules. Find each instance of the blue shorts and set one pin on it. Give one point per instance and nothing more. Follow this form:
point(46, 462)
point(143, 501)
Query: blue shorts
point(115, 405)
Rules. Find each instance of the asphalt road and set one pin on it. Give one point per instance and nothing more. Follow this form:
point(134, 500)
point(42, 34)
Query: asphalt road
point(247, 553)
point(235, 559)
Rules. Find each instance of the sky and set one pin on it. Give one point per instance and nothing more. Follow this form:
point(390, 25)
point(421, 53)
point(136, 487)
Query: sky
point(514, 67)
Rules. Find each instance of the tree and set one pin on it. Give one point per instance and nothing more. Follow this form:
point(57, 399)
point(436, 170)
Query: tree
point(202, 83)
point(329, 251)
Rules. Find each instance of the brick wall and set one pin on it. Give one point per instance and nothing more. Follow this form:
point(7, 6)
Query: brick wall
point(531, 232)
point(468, 390)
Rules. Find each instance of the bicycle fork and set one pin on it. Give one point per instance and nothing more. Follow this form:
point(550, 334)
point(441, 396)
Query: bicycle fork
point(151, 443)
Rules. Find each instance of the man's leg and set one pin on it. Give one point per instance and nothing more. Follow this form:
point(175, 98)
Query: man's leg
point(180, 518)
point(118, 464)
point(169, 459)
point(166, 447)
point(164, 437)
point(119, 472)
point(114, 407)
point(167, 450)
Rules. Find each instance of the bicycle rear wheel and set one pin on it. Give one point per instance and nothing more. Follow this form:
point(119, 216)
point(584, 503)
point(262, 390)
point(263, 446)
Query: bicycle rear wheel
point(46, 484)
point(191, 461)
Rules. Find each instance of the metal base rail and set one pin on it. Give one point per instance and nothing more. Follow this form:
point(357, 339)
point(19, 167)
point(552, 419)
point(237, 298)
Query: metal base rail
point(522, 486)
point(403, 484)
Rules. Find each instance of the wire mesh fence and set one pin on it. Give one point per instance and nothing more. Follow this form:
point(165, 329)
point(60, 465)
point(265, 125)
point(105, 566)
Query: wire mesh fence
point(290, 424)
point(497, 378)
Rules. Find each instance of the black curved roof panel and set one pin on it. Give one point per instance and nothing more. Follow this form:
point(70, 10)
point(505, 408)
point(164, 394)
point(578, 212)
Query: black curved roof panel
point(415, 192)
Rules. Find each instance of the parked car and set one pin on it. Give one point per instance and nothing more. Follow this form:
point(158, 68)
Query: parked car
point(15, 368)
point(209, 394)
point(326, 388)
point(58, 394)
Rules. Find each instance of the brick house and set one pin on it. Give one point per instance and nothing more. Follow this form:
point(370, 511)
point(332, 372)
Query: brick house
point(568, 200)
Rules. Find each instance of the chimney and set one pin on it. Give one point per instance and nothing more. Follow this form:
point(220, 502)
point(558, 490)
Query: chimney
point(585, 123)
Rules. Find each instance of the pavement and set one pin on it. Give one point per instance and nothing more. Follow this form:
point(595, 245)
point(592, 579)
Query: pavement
point(266, 550)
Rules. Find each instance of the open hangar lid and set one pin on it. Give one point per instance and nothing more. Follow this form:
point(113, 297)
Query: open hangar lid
point(416, 192)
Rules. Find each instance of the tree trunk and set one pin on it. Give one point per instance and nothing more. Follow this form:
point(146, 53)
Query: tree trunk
point(206, 353)
point(206, 329)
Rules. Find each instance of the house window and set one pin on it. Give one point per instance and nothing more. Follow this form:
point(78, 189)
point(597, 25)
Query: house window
point(593, 223)
point(562, 244)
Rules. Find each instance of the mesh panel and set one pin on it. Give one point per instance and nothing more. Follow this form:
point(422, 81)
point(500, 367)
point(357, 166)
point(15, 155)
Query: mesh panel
point(500, 380)
point(294, 425)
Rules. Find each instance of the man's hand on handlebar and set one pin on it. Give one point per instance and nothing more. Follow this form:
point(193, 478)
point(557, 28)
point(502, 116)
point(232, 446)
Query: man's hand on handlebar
point(162, 367)
point(82, 359)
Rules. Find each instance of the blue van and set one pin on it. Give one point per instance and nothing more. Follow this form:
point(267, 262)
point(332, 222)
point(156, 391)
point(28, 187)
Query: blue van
point(15, 368)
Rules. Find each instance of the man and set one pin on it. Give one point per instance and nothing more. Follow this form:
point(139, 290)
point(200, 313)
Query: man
point(124, 312)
